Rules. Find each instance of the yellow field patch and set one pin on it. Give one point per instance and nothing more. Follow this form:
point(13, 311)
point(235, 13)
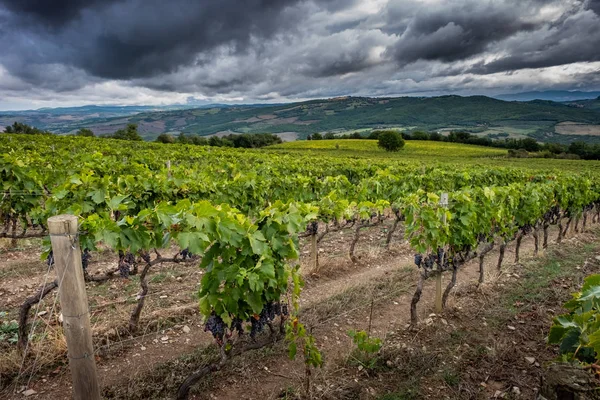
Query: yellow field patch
point(576, 128)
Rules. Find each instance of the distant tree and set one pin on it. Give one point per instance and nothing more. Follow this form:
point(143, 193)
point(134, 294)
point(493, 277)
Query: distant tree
point(244, 140)
point(21, 128)
point(390, 141)
point(519, 153)
point(250, 140)
point(215, 141)
point(309, 137)
point(419, 135)
point(165, 138)
point(84, 132)
point(436, 137)
point(129, 133)
point(374, 135)
point(329, 136)
point(555, 148)
point(580, 148)
point(199, 140)
point(460, 137)
point(182, 138)
point(227, 143)
point(317, 136)
point(356, 135)
point(530, 144)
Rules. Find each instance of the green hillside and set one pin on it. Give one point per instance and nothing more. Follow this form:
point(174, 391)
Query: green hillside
point(478, 114)
point(590, 104)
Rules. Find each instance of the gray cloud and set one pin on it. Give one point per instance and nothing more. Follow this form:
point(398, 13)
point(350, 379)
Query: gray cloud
point(594, 5)
point(457, 31)
point(575, 39)
point(138, 38)
point(53, 13)
point(289, 49)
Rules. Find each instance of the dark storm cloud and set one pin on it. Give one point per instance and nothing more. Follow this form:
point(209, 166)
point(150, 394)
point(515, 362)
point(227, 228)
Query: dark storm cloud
point(594, 5)
point(456, 32)
point(278, 49)
point(575, 39)
point(53, 12)
point(140, 38)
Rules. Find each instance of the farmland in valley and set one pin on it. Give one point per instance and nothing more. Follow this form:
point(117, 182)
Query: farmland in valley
point(477, 114)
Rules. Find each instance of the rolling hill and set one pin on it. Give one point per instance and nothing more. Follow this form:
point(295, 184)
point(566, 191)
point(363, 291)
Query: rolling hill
point(553, 95)
point(477, 114)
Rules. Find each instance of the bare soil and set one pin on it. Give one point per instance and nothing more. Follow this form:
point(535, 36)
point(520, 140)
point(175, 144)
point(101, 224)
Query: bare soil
point(372, 294)
point(575, 128)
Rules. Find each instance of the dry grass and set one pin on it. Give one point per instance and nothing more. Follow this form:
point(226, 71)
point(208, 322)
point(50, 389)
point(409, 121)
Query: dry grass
point(46, 350)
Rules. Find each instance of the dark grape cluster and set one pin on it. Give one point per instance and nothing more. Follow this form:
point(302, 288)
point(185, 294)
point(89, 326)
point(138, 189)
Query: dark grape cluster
point(216, 326)
point(50, 259)
point(186, 254)
point(145, 256)
point(85, 259)
point(257, 324)
point(126, 262)
point(418, 260)
point(313, 228)
point(440, 255)
point(238, 326)
point(430, 261)
point(552, 216)
point(526, 229)
point(267, 315)
point(425, 262)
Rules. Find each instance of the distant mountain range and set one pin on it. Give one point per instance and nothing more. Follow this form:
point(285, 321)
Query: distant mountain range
point(541, 119)
point(552, 95)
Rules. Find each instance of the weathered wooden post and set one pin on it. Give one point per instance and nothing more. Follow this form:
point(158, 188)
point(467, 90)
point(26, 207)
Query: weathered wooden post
point(74, 305)
point(438, 278)
point(314, 251)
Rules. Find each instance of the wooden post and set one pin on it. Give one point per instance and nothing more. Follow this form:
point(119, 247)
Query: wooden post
point(169, 169)
point(314, 253)
point(74, 305)
point(314, 250)
point(438, 278)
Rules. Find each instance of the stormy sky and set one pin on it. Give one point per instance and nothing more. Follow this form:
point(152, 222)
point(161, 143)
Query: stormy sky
point(74, 52)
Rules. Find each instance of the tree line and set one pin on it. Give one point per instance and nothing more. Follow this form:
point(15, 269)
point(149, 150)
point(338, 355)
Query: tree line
point(130, 132)
point(244, 140)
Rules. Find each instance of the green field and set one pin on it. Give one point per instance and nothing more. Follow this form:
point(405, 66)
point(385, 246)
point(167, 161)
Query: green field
point(430, 152)
point(414, 149)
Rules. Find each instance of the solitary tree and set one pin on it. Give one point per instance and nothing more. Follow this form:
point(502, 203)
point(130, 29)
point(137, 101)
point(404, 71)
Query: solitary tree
point(390, 141)
point(129, 133)
point(165, 138)
point(84, 132)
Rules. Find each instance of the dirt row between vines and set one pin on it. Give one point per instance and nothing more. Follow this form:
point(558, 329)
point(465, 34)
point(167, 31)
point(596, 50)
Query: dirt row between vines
point(170, 305)
point(335, 301)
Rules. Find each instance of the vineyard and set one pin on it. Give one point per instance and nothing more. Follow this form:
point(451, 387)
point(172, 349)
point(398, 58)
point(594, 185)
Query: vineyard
point(237, 234)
